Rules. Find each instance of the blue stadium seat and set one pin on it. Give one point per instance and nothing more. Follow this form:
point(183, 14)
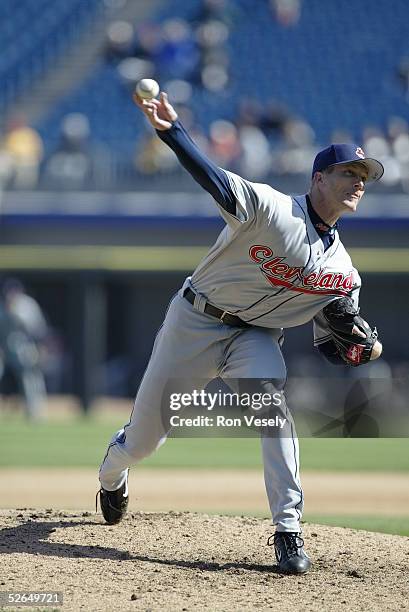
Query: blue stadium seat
point(32, 35)
point(336, 68)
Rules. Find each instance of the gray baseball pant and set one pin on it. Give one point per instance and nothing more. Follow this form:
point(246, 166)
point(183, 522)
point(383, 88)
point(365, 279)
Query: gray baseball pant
point(193, 346)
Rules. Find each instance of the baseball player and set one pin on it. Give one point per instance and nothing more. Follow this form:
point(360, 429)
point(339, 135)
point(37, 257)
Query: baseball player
point(20, 357)
point(277, 263)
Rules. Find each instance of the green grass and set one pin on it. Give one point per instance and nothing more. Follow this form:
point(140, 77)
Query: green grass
point(316, 454)
point(54, 444)
point(395, 525)
point(384, 524)
point(82, 442)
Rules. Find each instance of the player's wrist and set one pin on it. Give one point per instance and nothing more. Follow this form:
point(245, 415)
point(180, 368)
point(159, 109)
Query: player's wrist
point(174, 125)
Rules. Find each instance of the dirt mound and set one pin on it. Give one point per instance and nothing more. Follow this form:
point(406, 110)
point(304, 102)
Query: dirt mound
point(183, 561)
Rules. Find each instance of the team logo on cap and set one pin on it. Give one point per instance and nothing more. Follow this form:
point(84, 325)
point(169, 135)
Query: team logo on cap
point(359, 152)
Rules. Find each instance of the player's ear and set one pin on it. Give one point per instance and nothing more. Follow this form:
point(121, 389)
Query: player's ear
point(317, 178)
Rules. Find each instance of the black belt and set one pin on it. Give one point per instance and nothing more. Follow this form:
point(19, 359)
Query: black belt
point(213, 311)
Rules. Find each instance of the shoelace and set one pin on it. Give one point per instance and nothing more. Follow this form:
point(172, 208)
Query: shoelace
point(292, 541)
point(96, 500)
point(109, 503)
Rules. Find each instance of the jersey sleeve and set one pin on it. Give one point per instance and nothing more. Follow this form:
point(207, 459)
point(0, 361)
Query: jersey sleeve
point(320, 329)
point(245, 199)
point(253, 200)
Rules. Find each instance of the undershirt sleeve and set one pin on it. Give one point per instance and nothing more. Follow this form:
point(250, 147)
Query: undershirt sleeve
point(205, 172)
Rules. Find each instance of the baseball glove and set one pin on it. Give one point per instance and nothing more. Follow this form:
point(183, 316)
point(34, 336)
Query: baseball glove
point(351, 334)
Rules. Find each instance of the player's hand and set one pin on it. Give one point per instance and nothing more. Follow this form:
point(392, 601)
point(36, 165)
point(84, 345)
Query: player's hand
point(376, 351)
point(160, 113)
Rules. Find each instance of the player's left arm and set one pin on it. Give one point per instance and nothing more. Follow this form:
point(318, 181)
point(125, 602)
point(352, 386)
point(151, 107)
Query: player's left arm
point(343, 336)
point(328, 349)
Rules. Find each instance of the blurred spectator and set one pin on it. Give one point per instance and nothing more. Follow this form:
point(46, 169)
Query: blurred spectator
point(220, 10)
point(77, 164)
point(177, 57)
point(25, 309)
point(286, 12)
point(214, 72)
point(225, 147)
point(403, 74)
point(120, 40)
point(188, 119)
point(398, 132)
point(179, 91)
point(341, 135)
point(211, 24)
point(397, 127)
point(131, 51)
point(249, 113)
point(132, 69)
point(22, 151)
point(148, 41)
point(274, 118)
point(256, 157)
point(153, 156)
point(140, 60)
point(20, 361)
point(29, 316)
point(294, 157)
point(212, 36)
point(375, 144)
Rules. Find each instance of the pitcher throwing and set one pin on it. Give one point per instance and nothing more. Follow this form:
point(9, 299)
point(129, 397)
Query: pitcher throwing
point(277, 263)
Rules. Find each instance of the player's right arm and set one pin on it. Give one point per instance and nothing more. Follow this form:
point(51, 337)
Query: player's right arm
point(163, 117)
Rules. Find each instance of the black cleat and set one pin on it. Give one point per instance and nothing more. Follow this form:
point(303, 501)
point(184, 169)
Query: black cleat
point(289, 550)
point(114, 503)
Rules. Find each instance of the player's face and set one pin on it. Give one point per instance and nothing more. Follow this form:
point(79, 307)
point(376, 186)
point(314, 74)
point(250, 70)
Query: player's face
point(344, 186)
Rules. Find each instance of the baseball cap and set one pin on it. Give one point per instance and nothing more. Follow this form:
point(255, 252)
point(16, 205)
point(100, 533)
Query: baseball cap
point(346, 154)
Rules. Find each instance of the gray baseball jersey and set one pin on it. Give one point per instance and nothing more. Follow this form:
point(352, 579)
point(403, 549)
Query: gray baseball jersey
point(269, 266)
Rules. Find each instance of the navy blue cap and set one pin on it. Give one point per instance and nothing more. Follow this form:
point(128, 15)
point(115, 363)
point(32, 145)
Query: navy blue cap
point(346, 154)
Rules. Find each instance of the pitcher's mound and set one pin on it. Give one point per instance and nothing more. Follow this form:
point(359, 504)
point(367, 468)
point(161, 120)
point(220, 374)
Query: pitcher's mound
point(183, 561)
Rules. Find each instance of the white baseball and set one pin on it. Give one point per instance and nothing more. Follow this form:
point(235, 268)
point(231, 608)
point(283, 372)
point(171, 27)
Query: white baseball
point(147, 89)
